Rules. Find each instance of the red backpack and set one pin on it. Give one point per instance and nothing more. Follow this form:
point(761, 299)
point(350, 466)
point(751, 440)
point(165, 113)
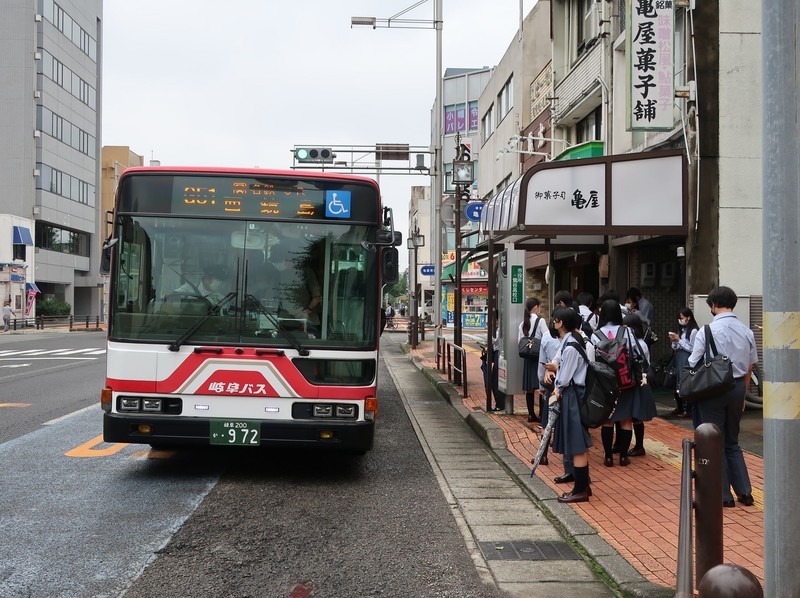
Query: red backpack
point(615, 354)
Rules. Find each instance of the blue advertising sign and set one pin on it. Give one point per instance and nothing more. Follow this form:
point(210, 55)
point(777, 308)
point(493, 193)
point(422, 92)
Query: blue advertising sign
point(427, 270)
point(473, 211)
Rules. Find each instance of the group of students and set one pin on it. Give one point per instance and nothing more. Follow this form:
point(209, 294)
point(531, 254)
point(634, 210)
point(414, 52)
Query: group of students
point(568, 341)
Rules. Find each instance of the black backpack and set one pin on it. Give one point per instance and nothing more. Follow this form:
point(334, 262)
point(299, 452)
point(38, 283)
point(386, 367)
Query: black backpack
point(586, 328)
point(529, 346)
point(614, 353)
point(601, 393)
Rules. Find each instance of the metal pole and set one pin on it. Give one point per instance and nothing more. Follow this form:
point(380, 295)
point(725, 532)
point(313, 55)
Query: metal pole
point(708, 465)
point(457, 314)
point(780, 234)
point(413, 303)
point(685, 583)
point(491, 303)
point(438, 174)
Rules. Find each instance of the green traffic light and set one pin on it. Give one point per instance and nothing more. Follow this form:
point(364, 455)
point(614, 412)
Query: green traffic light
point(301, 154)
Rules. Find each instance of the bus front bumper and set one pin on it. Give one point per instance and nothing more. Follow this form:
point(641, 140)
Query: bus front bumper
point(184, 431)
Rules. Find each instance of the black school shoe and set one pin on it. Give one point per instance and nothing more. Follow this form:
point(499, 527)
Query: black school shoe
point(747, 500)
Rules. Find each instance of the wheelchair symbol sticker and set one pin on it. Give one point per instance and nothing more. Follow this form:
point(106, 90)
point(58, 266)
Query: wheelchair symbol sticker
point(337, 204)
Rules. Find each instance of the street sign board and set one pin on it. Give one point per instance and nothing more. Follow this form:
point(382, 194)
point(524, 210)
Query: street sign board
point(427, 270)
point(474, 211)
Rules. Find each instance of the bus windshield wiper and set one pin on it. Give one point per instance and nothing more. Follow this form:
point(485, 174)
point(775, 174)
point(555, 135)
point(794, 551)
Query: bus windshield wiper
point(251, 300)
point(196, 326)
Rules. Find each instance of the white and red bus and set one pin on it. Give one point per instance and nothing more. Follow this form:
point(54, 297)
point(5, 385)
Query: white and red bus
point(244, 307)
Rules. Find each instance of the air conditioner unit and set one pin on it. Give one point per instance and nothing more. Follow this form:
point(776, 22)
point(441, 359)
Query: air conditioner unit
point(648, 277)
point(36, 172)
point(37, 18)
point(37, 55)
point(591, 24)
point(37, 94)
point(37, 133)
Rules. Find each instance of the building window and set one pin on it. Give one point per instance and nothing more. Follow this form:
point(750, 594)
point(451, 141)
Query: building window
point(61, 240)
point(65, 185)
point(58, 127)
point(589, 128)
point(487, 123)
point(54, 70)
point(505, 99)
point(67, 25)
point(588, 24)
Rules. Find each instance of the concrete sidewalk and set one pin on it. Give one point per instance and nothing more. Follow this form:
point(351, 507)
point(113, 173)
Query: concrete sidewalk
point(632, 517)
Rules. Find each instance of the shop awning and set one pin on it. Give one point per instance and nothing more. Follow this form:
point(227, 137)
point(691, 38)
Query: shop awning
point(575, 204)
point(22, 236)
point(31, 286)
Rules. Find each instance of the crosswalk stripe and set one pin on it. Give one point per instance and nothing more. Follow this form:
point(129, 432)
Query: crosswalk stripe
point(52, 352)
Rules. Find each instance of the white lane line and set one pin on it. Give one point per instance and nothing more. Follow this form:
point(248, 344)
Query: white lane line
point(68, 415)
point(76, 351)
point(42, 351)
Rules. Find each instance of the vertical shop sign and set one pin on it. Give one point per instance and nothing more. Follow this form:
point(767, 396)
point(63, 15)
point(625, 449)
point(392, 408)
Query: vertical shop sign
point(651, 88)
point(517, 284)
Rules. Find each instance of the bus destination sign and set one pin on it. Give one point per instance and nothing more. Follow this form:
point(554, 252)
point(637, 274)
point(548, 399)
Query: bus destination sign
point(246, 197)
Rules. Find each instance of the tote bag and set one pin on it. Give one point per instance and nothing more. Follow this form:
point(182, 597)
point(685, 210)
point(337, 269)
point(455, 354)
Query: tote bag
point(710, 377)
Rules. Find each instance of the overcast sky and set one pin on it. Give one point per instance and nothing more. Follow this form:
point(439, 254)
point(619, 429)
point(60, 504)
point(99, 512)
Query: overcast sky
point(241, 83)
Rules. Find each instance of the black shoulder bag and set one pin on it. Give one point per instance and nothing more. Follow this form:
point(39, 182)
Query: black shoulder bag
point(710, 377)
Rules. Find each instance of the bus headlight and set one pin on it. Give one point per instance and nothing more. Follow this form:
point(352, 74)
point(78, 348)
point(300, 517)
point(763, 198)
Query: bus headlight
point(151, 404)
point(345, 411)
point(129, 404)
point(323, 410)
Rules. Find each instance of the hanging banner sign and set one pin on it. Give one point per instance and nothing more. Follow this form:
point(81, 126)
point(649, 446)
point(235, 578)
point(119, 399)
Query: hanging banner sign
point(650, 52)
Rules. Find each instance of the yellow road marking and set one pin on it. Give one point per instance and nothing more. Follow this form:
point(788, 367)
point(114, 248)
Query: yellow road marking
point(15, 404)
point(662, 452)
point(87, 448)
point(152, 454)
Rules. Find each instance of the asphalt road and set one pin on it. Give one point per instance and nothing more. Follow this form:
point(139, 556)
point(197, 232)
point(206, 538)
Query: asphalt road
point(84, 518)
point(310, 524)
point(44, 376)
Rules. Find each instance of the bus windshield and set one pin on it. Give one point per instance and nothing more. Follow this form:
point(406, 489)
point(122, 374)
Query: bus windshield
point(244, 282)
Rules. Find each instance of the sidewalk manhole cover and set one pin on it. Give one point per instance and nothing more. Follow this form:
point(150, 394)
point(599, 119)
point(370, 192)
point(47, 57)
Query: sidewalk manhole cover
point(528, 550)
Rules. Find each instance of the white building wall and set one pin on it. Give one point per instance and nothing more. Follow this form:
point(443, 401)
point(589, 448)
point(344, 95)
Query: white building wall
point(740, 147)
point(523, 61)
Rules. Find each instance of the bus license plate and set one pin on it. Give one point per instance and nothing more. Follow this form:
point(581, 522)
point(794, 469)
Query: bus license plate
point(235, 432)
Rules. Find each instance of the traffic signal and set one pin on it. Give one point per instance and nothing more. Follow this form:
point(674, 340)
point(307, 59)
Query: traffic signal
point(318, 155)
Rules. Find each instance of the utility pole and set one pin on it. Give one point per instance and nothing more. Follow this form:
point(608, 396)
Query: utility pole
point(438, 179)
point(781, 235)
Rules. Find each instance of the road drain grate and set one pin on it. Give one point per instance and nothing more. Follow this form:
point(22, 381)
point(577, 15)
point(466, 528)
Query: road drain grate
point(528, 550)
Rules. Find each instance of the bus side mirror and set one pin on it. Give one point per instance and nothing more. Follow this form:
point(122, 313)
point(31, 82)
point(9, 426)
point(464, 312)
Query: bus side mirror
point(105, 257)
point(390, 265)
